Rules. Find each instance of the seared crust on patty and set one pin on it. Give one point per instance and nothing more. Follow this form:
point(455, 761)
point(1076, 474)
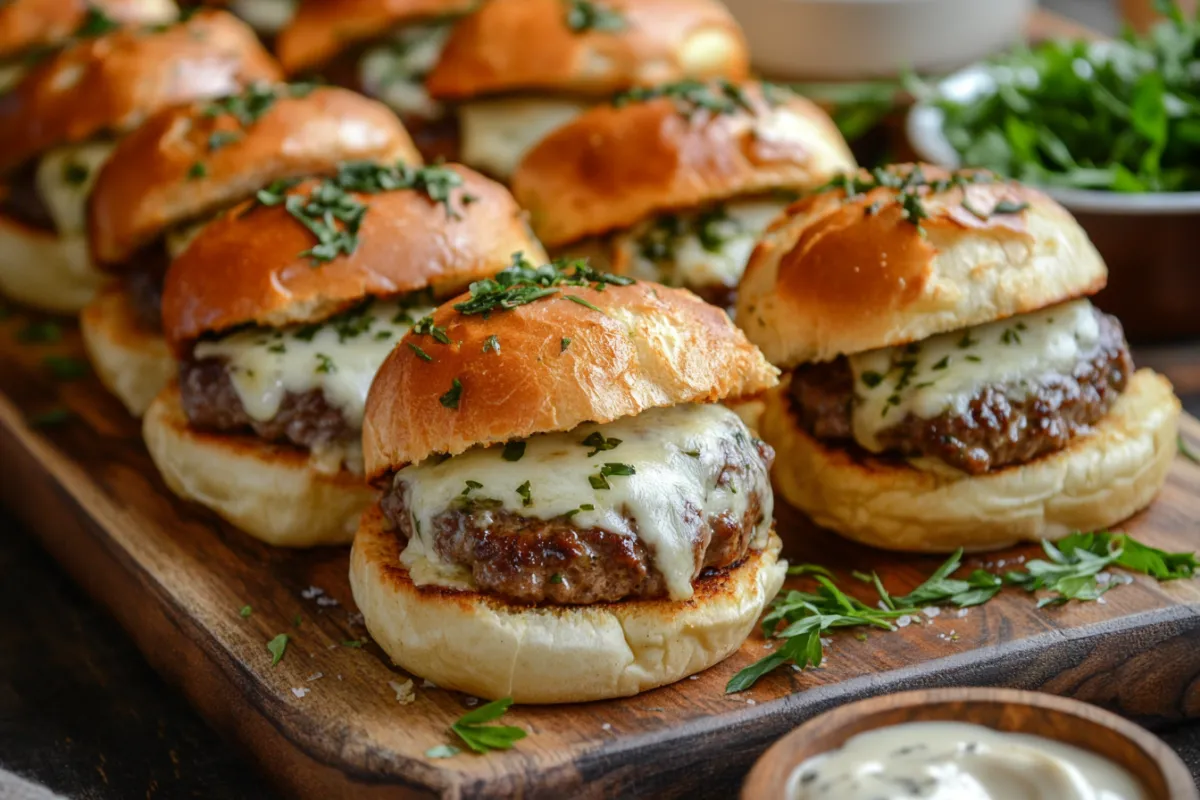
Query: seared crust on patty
point(1001, 426)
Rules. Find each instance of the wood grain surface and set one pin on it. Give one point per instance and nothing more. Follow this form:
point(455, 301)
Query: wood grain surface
point(1159, 770)
point(175, 577)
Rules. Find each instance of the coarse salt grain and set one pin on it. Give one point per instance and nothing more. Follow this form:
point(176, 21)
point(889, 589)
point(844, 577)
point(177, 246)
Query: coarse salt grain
point(904, 622)
point(311, 592)
point(606, 726)
point(931, 611)
point(471, 702)
point(316, 676)
point(327, 601)
point(751, 702)
point(300, 691)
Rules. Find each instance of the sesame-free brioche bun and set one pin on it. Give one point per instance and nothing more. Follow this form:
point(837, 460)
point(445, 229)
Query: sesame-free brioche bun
point(484, 646)
point(132, 362)
point(33, 24)
point(647, 347)
point(836, 276)
point(321, 29)
point(275, 493)
point(40, 269)
point(519, 45)
point(111, 83)
point(149, 183)
point(1098, 480)
point(248, 266)
point(616, 165)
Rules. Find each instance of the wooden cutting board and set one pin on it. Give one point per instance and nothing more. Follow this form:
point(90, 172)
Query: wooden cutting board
point(176, 578)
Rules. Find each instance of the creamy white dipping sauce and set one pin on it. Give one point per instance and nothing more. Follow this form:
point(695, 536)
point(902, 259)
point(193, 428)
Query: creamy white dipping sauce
point(496, 134)
point(944, 372)
point(703, 248)
point(959, 761)
point(394, 71)
point(668, 459)
point(339, 356)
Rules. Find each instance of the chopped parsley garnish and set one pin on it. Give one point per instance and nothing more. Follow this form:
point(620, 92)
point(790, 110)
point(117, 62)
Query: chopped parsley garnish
point(219, 139)
point(599, 443)
point(574, 298)
point(691, 96)
point(1009, 207)
point(607, 471)
point(425, 327)
point(482, 738)
point(974, 359)
point(471, 486)
point(523, 283)
point(491, 345)
point(556, 578)
point(451, 398)
point(253, 102)
point(513, 451)
point(593, 15)
point(1069, 573)
point(692, 453)
point(74, 173)
point(51, 418)
point(526, 494)
point(66, 368)
point(40, 333)
point(966, 341)
point(910, 185)
point(197, 171)
point(421, 354)
point(246, 611)
point(325, 364)
point(355, 643)
point(563, 344)
point(1010, 336)
point(95, 23)
point(943, 364)
point(871, 379)
point(584, 507)
point(277, 647)
point(1186, 451)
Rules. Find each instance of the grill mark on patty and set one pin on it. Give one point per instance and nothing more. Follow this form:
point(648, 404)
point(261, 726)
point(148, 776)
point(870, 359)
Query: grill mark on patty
point(211, 402)
point(530, 560)
point(999, 428)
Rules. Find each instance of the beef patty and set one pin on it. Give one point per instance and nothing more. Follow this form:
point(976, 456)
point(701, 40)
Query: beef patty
point(22, 201)
point(1000, 427)
point(529, 560)
point(211, 402)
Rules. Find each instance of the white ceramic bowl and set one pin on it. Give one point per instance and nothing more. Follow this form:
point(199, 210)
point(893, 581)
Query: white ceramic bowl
point(849, 39)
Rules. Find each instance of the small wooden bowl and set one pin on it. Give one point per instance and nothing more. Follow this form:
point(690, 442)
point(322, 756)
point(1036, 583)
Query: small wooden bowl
point(1160, 771)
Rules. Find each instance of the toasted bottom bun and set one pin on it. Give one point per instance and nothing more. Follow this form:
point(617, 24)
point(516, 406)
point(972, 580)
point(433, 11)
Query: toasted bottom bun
point(1098, 480)
point(272, 492)
point(42, 270)
point(132, 362)
point(486, 647)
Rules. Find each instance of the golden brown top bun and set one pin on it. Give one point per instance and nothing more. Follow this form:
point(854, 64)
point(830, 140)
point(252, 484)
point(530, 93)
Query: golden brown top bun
point(250, 265)
point(113, 82)
point(837, 275)
point(631, 348)
point(618, 164)
point(31, 24)
point(515, 45)
point(166, 172)
point(321, 29)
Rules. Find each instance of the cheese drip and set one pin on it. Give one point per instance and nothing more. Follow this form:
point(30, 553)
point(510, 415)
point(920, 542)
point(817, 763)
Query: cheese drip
point(704, 248)
point(339, 357)
point(677, 455)
point(943, 373)
point(496, 134)
point(64, 180)
point(265, 16)
point(395, 70)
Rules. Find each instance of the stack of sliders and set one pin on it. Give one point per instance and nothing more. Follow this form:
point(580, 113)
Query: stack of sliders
point(568, 514)
point(182, 168)
point(384, 49)
point(32, 29)
point(518, 69)
point(280, 312)
point(949, 383)
point(60, 122)
point(675, 183)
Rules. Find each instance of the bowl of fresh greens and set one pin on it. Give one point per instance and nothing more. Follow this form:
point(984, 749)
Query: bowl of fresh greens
point(1109, 128)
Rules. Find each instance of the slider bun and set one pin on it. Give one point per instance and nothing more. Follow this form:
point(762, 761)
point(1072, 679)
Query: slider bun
point(132, 362)
point(321, 30)
point(145, 186)
point(272, 492)
point(828, 278)
point(1097, 481)
point(613, 167)
point(110, 84)
point(483, 646)
point(247, 267)
point(30, 24)
point(649, 347)
point(44, 271)
point(518, 45)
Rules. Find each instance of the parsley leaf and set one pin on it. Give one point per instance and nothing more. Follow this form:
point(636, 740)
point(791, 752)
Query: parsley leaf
point(513, 451)
point(483, 738)
point(451, 398)
point(522, 283)
point(66, 368)
point(599, 443)
point(277, 647)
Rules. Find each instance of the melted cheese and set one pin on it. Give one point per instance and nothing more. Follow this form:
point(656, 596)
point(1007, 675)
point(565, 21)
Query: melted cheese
point(265, 16)
point(11, 74)
point(340, 357)
point(395, 70)
point(496, 134)
point(677, 455)
point(698, 249)
point(64, 179)
point(944, 372)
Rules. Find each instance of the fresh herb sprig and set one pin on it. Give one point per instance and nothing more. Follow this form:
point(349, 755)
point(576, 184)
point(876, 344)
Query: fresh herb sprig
point(476, 734)
point(1069, 572)
point(523, 283)
point(1121, 115)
